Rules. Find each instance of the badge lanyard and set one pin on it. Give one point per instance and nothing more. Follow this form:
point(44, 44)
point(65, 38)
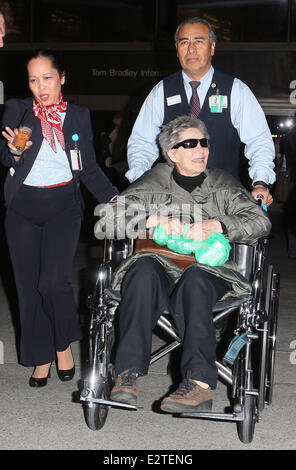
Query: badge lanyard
point(75, 154)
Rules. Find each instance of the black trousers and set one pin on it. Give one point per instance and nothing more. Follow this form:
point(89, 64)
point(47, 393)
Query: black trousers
point(42, 228)
point(148, 290)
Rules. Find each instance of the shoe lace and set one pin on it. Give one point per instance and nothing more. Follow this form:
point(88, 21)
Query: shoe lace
point(128, 380)
point(185, 387)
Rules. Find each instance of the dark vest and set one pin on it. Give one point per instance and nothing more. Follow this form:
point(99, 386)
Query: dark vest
point(224, 140)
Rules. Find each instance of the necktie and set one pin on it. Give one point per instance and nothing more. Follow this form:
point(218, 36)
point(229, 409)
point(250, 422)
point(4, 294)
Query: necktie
point(194, 102)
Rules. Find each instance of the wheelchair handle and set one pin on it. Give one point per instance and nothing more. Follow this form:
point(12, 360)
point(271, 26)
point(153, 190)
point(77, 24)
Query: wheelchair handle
point(259, 198)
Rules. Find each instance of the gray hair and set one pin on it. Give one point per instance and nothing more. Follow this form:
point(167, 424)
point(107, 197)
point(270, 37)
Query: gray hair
point(194, 20)
point(169, 134)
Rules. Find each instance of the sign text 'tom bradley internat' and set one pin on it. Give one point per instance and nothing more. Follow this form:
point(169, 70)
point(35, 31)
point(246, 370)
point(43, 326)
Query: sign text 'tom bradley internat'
point(126, 73)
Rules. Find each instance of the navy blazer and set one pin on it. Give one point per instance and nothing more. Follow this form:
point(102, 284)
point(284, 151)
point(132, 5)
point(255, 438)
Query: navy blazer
point(77, 121)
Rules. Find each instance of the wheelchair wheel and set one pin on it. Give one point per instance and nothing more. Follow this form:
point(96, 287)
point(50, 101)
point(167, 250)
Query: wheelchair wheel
point(268, 339)
point(101, 375)
point(95, 414)
point(273, 322)
point(246, 401)
point(246, 428)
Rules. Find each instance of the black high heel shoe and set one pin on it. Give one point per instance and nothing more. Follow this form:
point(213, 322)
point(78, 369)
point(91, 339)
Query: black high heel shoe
point(65, 375)
point(68, 374)
point(41, 382)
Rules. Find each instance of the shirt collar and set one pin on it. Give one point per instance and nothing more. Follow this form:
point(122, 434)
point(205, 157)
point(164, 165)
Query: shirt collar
point(205, 81)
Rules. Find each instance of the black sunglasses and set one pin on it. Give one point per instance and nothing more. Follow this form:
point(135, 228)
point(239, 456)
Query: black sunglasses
point(192, 143)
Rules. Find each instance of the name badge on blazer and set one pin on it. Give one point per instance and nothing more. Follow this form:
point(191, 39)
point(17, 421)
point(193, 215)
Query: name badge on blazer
point(76, 159)
point(75, 154)
point(217, 103)
point(173, 100)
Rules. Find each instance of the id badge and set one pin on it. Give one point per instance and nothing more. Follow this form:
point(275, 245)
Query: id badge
point(171, 100)
point(76, 160)
point(217, 103)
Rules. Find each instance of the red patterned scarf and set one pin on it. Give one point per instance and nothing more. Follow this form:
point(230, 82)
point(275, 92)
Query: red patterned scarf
point(51, 121)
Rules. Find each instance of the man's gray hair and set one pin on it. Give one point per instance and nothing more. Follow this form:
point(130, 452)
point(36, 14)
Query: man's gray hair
point(170, 133)
point(194, 20)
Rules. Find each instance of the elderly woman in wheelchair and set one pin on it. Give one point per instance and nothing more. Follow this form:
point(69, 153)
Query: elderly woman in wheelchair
point(179, 193)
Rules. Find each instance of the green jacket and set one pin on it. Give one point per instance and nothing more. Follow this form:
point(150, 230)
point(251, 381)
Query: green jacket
point(220, 197)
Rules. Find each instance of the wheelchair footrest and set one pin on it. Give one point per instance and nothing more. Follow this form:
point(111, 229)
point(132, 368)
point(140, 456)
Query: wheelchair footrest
point(213, 415)
point(101, 401)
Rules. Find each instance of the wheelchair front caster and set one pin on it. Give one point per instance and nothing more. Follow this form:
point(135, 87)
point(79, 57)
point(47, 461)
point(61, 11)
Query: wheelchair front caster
point(246, 427)
point(95, 414)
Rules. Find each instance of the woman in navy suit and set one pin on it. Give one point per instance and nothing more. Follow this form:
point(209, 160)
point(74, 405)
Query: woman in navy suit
point(44, 212)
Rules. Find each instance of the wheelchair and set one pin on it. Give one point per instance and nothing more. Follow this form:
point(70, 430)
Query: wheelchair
point(247, 367)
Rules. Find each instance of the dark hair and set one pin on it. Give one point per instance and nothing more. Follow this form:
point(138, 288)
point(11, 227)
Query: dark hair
point(5, 11)
point(54, 56)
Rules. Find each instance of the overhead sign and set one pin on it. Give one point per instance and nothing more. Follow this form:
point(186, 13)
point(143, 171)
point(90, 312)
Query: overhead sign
point(132, 73)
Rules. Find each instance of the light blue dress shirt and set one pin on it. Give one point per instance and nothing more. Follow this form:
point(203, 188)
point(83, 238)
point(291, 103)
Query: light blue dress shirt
point(247, 117)
point(49, 167)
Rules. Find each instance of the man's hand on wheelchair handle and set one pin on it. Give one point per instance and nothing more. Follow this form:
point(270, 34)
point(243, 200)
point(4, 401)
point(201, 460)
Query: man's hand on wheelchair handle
point(267, 197)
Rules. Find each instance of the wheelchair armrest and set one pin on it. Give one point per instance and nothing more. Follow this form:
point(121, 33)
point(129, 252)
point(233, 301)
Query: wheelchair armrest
point(116, 250)
point(243, 256)
point(231, 302)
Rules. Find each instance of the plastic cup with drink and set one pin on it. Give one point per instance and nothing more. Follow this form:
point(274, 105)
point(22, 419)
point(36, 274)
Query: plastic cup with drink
point(20, 140)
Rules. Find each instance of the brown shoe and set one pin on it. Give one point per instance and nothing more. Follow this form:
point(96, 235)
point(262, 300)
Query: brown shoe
point(125, 389)
point(189, 397)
